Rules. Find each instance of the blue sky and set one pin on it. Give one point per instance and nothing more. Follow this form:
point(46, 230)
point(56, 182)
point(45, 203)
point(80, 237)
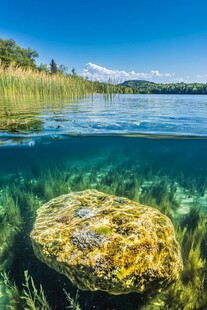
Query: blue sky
point(158, 40)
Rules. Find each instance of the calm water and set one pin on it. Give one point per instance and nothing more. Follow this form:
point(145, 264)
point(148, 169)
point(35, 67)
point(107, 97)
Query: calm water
point(118, 114)
point(92, 144)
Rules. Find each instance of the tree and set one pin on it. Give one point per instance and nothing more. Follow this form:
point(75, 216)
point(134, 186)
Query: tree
point(73, 71)
point(53, 67)
point(10, 52)
point(63, 69)
point(44, 67)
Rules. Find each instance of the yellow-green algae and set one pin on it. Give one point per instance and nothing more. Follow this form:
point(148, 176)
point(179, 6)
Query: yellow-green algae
point(104, 242)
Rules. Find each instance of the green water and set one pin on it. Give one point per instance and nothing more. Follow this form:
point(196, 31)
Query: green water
point(169, 174)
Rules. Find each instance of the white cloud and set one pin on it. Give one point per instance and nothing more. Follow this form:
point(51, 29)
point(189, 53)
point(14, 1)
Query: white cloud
point(95, 72)
point(199, 76)
point(179, 80)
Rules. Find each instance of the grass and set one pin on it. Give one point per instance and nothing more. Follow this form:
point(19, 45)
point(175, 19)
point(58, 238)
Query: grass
point(24, 93)
point(23, 83)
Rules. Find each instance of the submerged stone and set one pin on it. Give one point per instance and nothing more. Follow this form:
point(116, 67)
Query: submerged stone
point(108, 243)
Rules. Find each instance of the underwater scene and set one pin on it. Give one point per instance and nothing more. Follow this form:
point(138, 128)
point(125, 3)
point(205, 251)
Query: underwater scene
point(100, 210)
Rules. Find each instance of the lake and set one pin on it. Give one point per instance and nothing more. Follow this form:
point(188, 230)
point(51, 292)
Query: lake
point(148, 148)
point(102, 114)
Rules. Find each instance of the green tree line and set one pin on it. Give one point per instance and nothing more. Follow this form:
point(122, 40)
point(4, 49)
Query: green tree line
point(13, 54)
point(10, 53)
point(145, 87)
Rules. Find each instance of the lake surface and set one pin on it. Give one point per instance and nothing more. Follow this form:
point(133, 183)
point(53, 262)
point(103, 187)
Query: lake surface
point(116, 114)
point(149, 148)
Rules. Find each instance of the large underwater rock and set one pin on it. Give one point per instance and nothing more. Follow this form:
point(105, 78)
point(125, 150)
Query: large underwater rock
point(108, 243)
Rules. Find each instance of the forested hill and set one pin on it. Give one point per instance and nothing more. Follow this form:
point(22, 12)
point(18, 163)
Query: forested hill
point(136, 83)
point(146, 87)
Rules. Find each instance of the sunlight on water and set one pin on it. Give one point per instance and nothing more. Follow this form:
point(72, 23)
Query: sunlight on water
point(27, 115)
point(117, 114)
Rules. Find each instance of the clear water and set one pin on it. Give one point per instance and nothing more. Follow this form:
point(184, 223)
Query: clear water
point(106, 115)
point(96, 144)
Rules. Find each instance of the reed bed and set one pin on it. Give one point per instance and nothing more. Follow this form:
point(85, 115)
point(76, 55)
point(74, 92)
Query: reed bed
point(19, 82)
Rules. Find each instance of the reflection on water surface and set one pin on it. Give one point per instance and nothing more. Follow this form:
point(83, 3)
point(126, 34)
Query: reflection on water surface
point(101, 114)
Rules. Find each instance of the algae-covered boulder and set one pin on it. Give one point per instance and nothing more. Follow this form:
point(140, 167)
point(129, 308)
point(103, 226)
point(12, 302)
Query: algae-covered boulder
point(108, 243)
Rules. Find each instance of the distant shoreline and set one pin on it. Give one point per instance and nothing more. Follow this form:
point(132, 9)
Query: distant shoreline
point(146, 87)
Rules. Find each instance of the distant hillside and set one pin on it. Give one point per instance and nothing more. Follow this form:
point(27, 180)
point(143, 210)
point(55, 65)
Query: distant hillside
point(136, 83)
point(146, 87)
point(138, 86)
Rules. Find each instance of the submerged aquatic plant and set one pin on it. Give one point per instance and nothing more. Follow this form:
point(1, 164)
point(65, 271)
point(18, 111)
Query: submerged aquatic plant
point(73, 302)
point(12, 291)
point(161, 195)
point(10, 226)
point(34, 299)
point(189, 292)
point(30, 298)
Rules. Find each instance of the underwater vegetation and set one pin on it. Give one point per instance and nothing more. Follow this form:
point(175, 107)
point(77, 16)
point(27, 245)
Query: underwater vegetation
point(31, 297)
point(143, 173)
point(10, 226)
point(189, 292)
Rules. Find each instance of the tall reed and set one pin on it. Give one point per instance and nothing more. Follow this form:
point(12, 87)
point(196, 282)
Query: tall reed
point(19, 82)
